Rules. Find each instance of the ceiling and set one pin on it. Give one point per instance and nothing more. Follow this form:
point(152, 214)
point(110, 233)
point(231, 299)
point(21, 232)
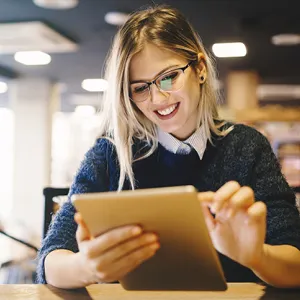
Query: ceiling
point(252, 22)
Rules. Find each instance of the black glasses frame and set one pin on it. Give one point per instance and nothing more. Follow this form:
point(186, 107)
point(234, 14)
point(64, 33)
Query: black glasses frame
point(149, 83)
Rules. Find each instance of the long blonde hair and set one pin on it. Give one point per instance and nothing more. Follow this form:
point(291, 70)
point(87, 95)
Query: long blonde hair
point(121, 120)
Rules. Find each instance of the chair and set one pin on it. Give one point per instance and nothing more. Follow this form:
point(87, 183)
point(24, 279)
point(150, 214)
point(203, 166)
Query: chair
point(49, 193)
point(23, 271)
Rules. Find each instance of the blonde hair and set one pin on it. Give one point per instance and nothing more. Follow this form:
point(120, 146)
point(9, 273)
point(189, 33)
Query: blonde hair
point(122, 122)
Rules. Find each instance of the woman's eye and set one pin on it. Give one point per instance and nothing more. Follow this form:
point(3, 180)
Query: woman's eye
point(170, 76)
point(140, 89)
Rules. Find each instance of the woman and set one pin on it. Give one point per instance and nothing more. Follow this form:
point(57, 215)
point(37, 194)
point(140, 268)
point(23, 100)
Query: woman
point(161, 128)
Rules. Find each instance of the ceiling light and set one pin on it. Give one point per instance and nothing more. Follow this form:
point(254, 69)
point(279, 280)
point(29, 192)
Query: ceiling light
point(3, 87)
point(286, 39)
point(32, 58)
point(229, 49)
point(85, 110)
point(56, 4)
point(94, 85)
point(116, 18)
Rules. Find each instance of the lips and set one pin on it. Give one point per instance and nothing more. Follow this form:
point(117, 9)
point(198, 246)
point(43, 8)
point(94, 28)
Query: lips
point(167, 112)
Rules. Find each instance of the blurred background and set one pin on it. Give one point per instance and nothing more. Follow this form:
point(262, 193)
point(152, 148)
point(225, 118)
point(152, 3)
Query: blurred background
point(52, 54)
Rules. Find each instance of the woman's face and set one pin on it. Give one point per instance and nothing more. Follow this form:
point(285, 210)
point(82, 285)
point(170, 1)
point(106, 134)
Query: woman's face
point(174, 112)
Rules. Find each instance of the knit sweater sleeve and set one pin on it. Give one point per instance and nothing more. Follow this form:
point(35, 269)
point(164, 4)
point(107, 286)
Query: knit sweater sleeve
point(271, 187)
point(91, 177)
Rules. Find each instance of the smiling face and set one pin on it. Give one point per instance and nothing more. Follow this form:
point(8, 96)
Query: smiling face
point(174, 112)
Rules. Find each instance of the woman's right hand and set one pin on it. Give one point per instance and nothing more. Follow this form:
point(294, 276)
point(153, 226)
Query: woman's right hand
point(110, 256)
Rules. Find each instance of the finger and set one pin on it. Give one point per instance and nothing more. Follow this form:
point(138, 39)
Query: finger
point(82, 233)
point(205, 197)
point(127, 263)
point(223, 195)
point(111, 239)
point(209, 219)
point(116, 253)
point(242, 199)
point(257, 212)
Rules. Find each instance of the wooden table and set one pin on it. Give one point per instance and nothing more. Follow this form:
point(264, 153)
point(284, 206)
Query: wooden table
point(236, 291)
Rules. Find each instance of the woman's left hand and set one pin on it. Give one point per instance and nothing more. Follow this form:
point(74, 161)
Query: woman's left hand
point(239, 227)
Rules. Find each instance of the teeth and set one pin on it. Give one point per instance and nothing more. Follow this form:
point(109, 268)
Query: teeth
point(168, 110)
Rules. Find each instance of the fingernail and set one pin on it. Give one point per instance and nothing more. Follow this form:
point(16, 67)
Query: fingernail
point(214, 208)
point(151, 238)
point(136, 230)
point(155, 246)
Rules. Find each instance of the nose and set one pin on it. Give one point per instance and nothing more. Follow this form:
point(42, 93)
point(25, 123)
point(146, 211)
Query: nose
point(158, 96)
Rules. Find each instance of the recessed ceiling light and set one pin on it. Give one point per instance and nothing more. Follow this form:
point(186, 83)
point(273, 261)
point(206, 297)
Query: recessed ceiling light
point(94, 85)
point(229, 49)
point(32, 58)
point(56, 4)
point(3, 87)
point(286, 39)
point(116, 18)
point(85, 110)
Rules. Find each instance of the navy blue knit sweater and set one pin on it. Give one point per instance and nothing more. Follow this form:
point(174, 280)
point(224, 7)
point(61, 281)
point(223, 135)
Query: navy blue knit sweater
point(244, 155)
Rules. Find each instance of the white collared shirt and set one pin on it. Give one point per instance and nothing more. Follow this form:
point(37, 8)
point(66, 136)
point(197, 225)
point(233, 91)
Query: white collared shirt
point(197, 140)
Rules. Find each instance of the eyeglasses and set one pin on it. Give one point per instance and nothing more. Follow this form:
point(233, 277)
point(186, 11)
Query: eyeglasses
point(171, 81)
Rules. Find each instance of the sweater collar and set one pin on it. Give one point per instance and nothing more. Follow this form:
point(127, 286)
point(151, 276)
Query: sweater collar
point(197, 140)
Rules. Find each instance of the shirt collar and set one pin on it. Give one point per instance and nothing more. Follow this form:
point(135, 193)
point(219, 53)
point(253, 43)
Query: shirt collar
point(197, 140)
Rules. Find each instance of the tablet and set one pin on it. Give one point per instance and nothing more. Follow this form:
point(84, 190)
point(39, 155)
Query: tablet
point(186, 259)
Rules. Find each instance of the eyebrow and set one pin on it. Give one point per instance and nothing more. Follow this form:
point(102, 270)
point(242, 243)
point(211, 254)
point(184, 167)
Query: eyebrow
point(158, 74)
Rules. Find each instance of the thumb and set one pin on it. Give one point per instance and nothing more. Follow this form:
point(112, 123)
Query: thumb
point(209, 219)
point(82, 233)
point(206, 199)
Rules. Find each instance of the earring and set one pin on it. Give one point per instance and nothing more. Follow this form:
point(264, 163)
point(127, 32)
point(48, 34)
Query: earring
point(202, 79)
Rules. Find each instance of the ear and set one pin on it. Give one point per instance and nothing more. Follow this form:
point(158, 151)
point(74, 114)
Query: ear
point(201, 68)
